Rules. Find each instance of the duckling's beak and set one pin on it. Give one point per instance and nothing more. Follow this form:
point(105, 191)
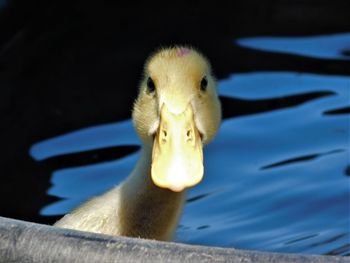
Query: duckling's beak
point(177, 158)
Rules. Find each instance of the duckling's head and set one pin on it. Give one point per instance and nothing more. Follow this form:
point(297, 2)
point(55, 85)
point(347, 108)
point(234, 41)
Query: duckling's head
point(177, 111)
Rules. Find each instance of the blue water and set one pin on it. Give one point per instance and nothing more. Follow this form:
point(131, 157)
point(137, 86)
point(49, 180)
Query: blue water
point(274, 181)
point(335, 46)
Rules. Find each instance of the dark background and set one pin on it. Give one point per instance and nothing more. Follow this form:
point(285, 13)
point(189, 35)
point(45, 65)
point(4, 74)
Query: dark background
point(65, 65)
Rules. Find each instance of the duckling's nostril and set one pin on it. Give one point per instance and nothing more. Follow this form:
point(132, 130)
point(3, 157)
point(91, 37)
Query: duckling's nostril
point(163, 136)
point(189, 136)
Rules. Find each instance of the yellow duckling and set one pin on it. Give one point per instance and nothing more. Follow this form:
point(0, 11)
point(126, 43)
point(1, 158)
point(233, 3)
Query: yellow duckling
point(176, 112)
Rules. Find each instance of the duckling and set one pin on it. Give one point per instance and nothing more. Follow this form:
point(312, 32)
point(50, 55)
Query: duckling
point(176, 112)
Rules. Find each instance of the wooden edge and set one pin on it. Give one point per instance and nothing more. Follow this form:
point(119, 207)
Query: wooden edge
point(22, 241)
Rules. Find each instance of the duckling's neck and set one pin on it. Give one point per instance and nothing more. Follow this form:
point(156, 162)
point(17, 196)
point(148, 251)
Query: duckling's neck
point(147, 210)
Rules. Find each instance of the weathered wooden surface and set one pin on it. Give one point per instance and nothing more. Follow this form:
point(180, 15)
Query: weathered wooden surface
point(22, 241)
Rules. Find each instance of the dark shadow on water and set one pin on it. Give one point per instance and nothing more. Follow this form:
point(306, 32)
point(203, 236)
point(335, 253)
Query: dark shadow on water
point(296, 240)
point(203, 227)
point(328, 240)
point(300, 159)
point(232, 107)
point(345, 110)
point(342, 250)
point(90, 157)
point(346, 52)
point(347, 171)
point(197, 197)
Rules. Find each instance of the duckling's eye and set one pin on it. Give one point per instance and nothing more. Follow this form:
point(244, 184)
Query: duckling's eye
point(204, 84)
point(150, 85)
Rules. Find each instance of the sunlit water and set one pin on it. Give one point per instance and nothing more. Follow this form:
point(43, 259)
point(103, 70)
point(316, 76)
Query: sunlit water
point(274, 181)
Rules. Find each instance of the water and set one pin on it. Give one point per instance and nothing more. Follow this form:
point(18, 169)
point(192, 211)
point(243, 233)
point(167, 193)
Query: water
point(276, 179)
point(335, 46)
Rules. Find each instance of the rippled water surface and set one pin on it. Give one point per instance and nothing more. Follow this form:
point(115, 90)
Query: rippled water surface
point(275, 180)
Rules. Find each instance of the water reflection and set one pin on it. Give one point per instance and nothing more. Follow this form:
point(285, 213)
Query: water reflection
point(274, 176)
point(92, 138)
point(326, 47)
point(299, 159)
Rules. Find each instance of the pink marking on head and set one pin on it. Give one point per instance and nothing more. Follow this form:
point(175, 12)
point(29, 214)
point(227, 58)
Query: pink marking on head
point(184, 51)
